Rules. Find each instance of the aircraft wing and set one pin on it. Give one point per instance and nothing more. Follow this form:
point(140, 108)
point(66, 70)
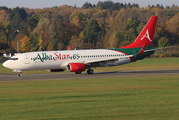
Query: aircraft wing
point(104, 62)
point(100, 60)
point(97, 62)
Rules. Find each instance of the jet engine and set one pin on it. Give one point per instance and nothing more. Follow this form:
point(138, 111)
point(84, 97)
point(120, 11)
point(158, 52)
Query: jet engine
point(76, 67)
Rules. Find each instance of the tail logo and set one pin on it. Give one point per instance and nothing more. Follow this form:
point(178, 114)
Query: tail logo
point(147, 36)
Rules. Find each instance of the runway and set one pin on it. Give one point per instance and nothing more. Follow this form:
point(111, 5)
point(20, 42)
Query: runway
point(64, 76)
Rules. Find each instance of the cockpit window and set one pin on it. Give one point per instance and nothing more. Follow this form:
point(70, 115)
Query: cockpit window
point(13, 59)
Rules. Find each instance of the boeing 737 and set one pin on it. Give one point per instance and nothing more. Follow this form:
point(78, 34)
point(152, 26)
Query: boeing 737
point(79, 60)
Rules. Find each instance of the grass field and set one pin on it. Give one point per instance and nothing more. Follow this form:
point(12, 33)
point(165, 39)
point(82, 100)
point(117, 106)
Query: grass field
point(146, 64)
point(108, 98)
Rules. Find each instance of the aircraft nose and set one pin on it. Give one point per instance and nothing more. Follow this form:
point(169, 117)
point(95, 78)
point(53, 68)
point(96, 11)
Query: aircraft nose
point(5, 64)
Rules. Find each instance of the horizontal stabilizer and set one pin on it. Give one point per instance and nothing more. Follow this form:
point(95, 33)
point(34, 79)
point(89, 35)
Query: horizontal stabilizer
point(158, 49)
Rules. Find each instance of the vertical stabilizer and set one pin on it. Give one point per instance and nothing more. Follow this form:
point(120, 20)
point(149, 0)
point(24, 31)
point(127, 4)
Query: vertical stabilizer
point(146, 36)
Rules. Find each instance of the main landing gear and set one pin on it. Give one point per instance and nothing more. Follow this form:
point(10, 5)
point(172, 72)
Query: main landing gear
point(90, 71)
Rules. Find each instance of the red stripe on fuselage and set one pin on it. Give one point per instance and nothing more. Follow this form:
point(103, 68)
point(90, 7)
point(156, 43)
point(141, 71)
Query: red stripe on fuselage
point(132, 59)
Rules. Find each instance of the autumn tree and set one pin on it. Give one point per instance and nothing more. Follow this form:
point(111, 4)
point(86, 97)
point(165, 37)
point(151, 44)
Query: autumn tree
point(36, 42)
point(30, 25)
point(4, 16)
point(31, 43)
point(43, 22)
point(4, 35)
point(16, 41)
point(4, 31)
point(87, 5)
point(78, 19)
point(130, 27)
point(40, 43)
point(173, 26)
point(74, 42)
point(92, 32)
point(57, 34)
point(81, 43)
point(113, 40)
point(163, 42)
point(50, 47)
point(25, 44)
point(18, 18)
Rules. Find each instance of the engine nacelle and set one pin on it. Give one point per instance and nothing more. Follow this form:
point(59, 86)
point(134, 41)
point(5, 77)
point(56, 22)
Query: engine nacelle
point(55, 70)
point(76, 67)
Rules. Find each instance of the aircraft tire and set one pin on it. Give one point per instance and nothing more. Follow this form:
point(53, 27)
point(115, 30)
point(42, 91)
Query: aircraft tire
point(90, 71)
point(20, 74)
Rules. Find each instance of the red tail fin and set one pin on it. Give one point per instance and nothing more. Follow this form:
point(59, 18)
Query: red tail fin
point(146, 36)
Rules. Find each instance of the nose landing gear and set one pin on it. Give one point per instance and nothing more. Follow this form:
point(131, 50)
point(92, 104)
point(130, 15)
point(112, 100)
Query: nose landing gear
point(20, 74)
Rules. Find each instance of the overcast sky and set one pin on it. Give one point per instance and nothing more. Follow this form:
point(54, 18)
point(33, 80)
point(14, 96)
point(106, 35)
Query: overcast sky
point(78, 3)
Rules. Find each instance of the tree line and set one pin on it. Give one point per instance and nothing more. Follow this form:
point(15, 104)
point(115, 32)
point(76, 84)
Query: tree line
point(104, 25)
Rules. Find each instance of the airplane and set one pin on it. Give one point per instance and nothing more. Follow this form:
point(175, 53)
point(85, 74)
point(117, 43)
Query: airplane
point(79, 60)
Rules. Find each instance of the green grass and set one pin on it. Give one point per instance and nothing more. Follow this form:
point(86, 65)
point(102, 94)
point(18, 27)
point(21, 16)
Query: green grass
point(146, 64)
point(108, 98)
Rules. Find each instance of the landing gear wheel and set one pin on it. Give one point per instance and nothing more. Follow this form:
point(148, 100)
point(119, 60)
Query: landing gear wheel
point(78, 72)
point(20, 74)
point(90, 71)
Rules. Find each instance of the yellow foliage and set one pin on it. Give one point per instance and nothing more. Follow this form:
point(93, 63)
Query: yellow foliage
point(99, 14)
point(100, 24)
point(159, 29)
point(50, 47)
point(76, 22)
point(88, 12)
point(173, 24)
point(113, 40)
point(60, 45)
point(157, 11)
point(74, 42)
point(40, 43)
point(25, 44)
point(4, 16)
point(147, 8)
point(82, 37)
point(75, 13)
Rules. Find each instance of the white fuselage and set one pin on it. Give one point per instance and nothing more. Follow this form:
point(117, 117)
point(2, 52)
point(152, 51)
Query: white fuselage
point(59, 59)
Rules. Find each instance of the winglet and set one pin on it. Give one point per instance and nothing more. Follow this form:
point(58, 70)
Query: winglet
point(69, 48)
